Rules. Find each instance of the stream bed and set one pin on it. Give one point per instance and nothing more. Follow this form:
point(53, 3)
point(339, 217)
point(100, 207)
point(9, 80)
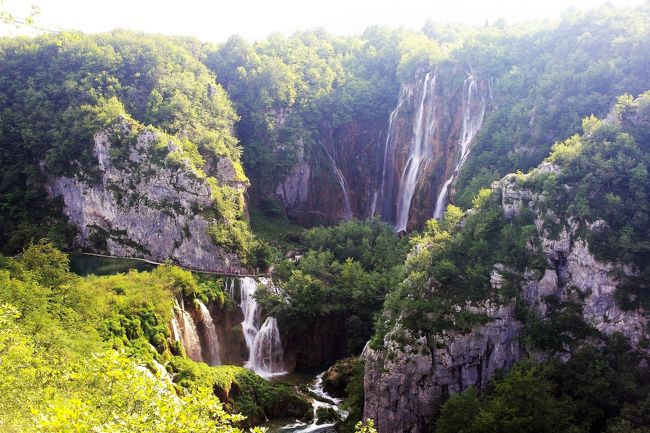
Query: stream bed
point(320, 400)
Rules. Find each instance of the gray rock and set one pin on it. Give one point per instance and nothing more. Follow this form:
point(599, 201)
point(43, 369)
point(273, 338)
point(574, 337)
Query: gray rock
point(142, 207)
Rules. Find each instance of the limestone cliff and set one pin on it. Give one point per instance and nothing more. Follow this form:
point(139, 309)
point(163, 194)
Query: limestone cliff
point(404, 386)
point(144, 200)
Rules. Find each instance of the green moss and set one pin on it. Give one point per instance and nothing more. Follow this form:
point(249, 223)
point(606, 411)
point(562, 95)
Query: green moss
point(242, 391)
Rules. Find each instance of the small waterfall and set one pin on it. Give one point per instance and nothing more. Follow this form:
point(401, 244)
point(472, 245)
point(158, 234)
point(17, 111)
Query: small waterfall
point(176, 329)
point(189, 335)
point(419, 153)
point(251, 311)
point(347, 208)
point(265, 353)
point(267, 356)
point(212, 340)
point(322, 400)
point(472, 122)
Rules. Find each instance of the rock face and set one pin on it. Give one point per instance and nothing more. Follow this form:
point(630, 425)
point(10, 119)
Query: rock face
point(403, 392)
point(403, 389)
point(141, 205)
point(335, 180)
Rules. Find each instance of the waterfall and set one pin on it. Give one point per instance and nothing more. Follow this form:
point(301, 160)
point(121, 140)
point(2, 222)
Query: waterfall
point(251, 311)
point(176, 329)
point(472, 122)
point(265, 354)
point(385, 196)
point(212, 340)
point(347, 208)
point(189, 335)
point(419, 153)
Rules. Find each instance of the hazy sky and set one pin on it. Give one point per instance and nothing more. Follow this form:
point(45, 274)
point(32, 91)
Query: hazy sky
point(215, 20)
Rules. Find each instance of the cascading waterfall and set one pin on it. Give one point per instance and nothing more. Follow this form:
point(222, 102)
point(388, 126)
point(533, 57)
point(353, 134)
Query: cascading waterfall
point(212, 343)
point(250, 309)
point(267, 356)
point(189, 335)
point(264, 344)
point(347, 208)
point(472, 122)
point(419, 154)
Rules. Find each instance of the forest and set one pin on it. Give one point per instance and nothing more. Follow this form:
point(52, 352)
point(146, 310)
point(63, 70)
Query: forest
point(203, 237)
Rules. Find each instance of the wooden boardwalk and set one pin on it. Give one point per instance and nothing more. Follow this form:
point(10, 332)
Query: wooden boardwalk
point(220, 273)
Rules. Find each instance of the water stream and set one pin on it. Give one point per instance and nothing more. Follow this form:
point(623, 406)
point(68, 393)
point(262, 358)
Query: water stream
point(320, 400)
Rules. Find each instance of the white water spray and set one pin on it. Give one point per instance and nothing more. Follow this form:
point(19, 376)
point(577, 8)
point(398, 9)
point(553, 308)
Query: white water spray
point(266, 356)
point(419, 154)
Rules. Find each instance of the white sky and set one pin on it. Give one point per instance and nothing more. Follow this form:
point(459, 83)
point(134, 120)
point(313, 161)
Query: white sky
point(215, 20)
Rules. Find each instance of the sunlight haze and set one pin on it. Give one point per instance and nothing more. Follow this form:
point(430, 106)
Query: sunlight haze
point(255, 19)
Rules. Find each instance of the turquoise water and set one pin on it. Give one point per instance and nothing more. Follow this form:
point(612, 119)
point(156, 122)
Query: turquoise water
point(83, 265)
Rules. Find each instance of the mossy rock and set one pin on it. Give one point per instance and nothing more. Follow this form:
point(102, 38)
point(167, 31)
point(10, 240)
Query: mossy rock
point(327, 415)
point(242, 391)
point(336, 379)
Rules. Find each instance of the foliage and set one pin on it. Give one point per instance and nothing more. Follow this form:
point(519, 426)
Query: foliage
point(341, 279)
point(596, 390)
point(367, 427)
point(604, 184)
point(449, 269)
point(58, 374)
point(548, 77)
point(241, 390)
point(523, 401)
point(59, 90)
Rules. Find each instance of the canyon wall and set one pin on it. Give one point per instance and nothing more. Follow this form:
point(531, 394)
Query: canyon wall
point(404, 387)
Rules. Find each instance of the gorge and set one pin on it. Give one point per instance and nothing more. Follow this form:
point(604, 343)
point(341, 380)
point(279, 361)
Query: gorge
point(434, 231)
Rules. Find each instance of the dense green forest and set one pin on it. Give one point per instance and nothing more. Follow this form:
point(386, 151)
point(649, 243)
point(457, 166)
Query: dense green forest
point(568, 125)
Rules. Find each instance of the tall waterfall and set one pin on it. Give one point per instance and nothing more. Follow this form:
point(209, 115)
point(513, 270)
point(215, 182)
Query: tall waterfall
point(347, 208)
point(473, 115)
point(429, 138)
point(419, 153)
point(264, 345)
point(251, 311)
point(212, 340)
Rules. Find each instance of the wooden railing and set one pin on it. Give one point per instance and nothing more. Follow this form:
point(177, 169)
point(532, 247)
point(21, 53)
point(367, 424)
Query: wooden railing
point(221, 273)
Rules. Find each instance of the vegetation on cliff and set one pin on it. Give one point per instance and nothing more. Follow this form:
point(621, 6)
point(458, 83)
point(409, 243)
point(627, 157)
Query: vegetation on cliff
point(58, 91)
point(594, 186)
